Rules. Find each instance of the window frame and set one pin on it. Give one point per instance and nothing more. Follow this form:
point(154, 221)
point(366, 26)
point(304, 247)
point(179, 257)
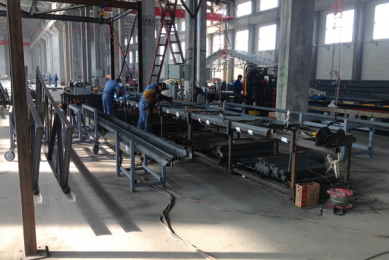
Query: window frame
point(262, 10)
point(375, 22)
point(275, 37)
point(342, 28)
point(245, 14)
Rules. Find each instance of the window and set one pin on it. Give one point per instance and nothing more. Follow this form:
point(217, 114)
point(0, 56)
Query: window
point(218, 42)
point(136, 57)
point(381, 22)
point(136, 38)
point(132, 39)
point(340, 28)
point(268, 4)
point(217, 72)
point(125, 42)
point(130, 61)
point(163, 30)
point(183, 26)
point(242, 41)
point(243, 9)
point(267, 37)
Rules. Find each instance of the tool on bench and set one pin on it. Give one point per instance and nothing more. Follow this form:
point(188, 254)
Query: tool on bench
point(334, 164)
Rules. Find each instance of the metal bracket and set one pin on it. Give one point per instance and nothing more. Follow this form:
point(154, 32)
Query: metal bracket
point(375, 43)
point(42, 253)
point(327, 47)
point(347, 45)
point(270, 52)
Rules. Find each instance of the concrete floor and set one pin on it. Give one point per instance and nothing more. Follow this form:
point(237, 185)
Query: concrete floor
point(107, 221)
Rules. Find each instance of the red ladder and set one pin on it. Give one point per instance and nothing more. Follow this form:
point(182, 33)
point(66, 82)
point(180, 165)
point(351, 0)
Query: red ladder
point(167, 23)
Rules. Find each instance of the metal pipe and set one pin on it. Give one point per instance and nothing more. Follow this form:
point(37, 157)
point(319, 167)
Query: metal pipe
point(140, 46)
point(194, 69)
point(111, 40)
point(18, 79)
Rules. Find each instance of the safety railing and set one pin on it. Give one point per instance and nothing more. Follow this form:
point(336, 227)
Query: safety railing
point(36, 134)
point(58, 133)
point(321, 120)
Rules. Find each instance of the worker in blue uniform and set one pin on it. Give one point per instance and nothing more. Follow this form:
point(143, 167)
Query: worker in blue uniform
point(238, 87)
point(109, 91)
point(151, 95)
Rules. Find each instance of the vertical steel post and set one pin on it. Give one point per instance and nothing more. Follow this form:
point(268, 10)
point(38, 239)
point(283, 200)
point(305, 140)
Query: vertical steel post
point(161, 119)
point(347, 162)
point(111, 40)
point(132, 152)
point(230, 133)
point(140, 47)
point(293, 150)
point(190, 126)
point(18, 79)
point(118, 153)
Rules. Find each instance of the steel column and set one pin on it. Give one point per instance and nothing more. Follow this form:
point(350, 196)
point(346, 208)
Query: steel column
point(140, 47)
point(18, 79)
point(111, 40)
point(293, 151)
point(118, 153)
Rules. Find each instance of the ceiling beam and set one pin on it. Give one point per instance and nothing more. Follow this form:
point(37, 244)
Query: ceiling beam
point(4, 5)
point(33, 7)
point(57, 17)
point(116, 4)
point(61, 9)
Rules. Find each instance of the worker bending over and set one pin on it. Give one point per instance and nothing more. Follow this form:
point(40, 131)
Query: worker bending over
point(238, 87)
point(150, 96)
point(109, 91)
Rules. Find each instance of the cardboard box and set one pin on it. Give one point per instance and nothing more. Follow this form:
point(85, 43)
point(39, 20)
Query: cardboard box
point(272, 114)
point(307, 194)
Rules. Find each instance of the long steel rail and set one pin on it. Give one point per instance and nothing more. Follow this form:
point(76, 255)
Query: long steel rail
point(160, 150)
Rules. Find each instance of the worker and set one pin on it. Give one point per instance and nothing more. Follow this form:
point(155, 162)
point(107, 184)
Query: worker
point(238, 87)
point(49, 79)
point(109, 91)
point(150, 96)
point(55, 80)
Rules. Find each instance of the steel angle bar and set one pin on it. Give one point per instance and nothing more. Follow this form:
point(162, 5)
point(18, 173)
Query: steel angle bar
point(58, 133)
point(36, 141)
point(161, 151)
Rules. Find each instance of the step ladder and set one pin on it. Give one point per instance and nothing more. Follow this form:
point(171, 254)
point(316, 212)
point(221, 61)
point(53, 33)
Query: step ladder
point(168, 10)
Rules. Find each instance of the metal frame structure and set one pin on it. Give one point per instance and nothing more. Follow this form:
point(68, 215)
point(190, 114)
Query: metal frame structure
point(4, 97)
point(60, 130)
point(320, 120)
point(77, 120)
point(161, 151)
point(232, 124)
point(58, 134)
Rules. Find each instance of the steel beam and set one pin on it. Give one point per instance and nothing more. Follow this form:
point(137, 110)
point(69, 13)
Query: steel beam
point(33, 7)
point(122, 14)
point(18, 79)
point(56, 17)
point(61, 9)
point(117, 4)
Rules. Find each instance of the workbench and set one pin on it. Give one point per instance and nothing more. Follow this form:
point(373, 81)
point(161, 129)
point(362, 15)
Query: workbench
point(243, 123)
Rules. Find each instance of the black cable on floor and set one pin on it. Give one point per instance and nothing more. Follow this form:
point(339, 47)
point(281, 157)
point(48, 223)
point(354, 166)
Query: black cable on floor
point(377, 255)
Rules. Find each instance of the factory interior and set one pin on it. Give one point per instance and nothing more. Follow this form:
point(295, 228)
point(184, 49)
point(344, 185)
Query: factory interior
point(194, 129)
